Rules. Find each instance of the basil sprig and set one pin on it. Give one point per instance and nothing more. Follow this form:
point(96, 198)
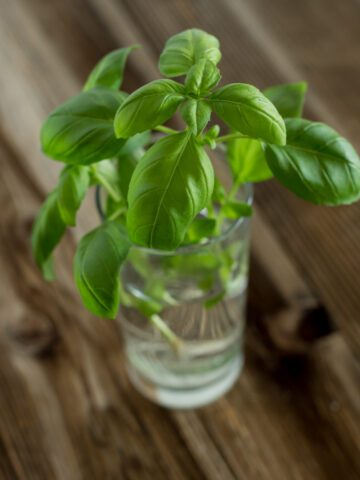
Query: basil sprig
point(47, 231)
point(73, 184)
point(97, 263)
point(245, 109)
point(156, 193)
point(288, 99)
point(147, 107)
point(81, 131)
point(109, 71)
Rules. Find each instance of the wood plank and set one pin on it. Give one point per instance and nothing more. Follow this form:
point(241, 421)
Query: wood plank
point(288, 417)
point(25, 444)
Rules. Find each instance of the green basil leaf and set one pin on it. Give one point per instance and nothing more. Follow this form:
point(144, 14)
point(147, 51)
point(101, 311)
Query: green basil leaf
point(128, 159)
point(247, 161)
point(126, 167)
point(97, 264)
point(208, 304)
point(317, 164)
point(106, 173)
point(170, 185)
point(207, 282)
point(229, 259)
point(288, 98)
point(109, 70)
point(202, 77)
point(147, 107)
point(196, 114)
point(81, 131)
point(47, 269)
point(185, 49)
point(219, 194)
point(236, 210)
point(73, 185)
point(245, 109)
point(47, 231)
point(137, 142)
point(200, 228)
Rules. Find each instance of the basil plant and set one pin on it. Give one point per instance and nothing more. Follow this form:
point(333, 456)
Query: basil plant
point(155, 194)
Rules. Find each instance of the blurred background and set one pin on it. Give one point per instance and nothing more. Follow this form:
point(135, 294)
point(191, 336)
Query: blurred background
point(67, 410)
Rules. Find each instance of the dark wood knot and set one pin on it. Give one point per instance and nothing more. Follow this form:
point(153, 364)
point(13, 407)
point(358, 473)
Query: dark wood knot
point(294, 330)
point(33, 332)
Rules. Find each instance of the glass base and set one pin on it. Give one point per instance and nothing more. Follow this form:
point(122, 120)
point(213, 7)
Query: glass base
point(186, 398)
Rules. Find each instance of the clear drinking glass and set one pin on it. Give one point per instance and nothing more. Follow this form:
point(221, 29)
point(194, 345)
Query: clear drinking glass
point(182, 315)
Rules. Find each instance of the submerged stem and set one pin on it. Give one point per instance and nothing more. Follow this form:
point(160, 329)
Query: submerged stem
point(175, 342)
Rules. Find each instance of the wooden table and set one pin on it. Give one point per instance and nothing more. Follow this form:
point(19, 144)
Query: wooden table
point(67, 410)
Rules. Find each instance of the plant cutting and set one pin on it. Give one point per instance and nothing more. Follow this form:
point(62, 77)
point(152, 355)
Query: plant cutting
point(171, 249)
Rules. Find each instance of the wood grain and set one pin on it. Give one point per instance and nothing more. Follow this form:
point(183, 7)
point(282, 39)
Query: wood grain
point(68, 411)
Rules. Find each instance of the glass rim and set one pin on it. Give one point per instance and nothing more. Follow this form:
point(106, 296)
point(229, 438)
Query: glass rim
point(249, 196)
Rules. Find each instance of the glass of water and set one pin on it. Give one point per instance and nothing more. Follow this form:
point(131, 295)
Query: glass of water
point(182, 315)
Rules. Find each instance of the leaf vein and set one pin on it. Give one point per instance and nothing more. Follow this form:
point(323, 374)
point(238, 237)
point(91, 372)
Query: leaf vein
point(168, 186)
